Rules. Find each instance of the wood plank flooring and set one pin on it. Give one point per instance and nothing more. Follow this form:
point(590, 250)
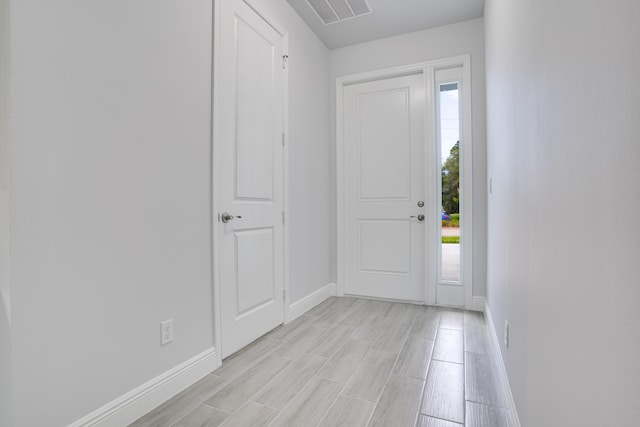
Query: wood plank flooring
point(353, 362)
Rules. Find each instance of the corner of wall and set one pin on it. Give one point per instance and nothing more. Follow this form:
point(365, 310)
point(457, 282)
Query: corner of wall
point(305, 304)
point(5, 289)
point(5, 367)
point(5, 286)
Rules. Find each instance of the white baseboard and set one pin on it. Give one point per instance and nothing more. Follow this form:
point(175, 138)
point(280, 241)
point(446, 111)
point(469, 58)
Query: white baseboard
point(300, 307)
point(340, 289)
point(477, 304)
point(134, 404)
point(496, 346)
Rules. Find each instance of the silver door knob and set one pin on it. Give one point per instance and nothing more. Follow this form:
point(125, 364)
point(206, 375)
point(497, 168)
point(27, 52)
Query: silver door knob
point(419, 217)
point(420, 203)
point(226, 217)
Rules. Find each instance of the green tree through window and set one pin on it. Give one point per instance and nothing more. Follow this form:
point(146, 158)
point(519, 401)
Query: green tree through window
point(451, 181)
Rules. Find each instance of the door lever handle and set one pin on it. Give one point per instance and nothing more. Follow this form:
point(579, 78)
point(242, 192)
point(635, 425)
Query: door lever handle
point(226, 217)
point(419, 217)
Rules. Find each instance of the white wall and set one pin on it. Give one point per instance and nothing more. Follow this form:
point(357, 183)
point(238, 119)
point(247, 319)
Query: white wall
point(442, 42)
point(563, 131)
point(309, 156)
point(110, 184)
point(110, 199)
point(5, 288)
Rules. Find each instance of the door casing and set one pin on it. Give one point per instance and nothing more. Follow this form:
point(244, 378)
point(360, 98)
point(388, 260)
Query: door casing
point(217, 181)
point(427, 69)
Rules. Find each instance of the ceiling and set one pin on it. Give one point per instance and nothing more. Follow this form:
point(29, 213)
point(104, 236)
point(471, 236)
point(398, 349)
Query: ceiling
point(388, 18)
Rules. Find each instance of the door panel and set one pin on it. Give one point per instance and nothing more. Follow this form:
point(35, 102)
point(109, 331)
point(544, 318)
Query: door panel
point(250, 176)
point(385, 178)
point(385, 246)
point(384, 144)
point(255, 283)
point(255, 60)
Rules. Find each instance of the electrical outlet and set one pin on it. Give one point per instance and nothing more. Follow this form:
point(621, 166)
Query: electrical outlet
point(166, 329)
point(506, 334)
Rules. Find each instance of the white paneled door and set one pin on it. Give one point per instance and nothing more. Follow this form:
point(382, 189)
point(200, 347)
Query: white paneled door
point(249, 168)
point(384, 176)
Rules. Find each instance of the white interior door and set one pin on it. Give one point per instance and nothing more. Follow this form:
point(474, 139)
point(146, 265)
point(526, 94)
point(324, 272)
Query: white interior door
point(384, 175)
point(250, 175)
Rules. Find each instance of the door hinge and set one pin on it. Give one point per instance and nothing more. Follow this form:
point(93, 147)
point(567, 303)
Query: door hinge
point(284, 295)
point(285, 59)
point(283, 139)
point(282, 217)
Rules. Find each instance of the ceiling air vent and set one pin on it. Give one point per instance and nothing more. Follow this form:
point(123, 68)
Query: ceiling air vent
point(332, 11)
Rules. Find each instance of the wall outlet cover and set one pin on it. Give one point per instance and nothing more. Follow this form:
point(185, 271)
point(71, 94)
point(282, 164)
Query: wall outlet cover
point(166, 330)
point(506, 334)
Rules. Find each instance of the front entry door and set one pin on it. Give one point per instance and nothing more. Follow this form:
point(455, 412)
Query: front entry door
point(384, 175)
point(249, 167)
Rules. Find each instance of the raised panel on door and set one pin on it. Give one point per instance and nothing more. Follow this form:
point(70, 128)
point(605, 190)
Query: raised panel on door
point(254, 121)
point(250, 170)
point(255, 281)
point(384, 153)
point(384, 145)
point(385, 246)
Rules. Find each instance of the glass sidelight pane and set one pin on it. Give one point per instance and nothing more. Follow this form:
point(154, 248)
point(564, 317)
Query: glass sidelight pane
point(449, 148)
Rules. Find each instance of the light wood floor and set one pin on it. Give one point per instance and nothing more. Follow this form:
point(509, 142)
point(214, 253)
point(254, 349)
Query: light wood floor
point(353, 362)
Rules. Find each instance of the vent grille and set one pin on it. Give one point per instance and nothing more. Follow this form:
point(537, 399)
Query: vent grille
point(332, 11)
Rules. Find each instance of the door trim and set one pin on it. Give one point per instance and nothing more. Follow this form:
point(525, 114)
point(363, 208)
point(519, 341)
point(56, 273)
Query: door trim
point(217, 182)
point(427, 69)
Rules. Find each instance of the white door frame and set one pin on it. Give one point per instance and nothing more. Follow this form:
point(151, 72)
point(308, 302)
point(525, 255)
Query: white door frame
point(218, 181)
point(427, 69)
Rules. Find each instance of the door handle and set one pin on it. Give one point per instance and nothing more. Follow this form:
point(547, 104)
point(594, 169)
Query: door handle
point(419, 217)
point(226, 217)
